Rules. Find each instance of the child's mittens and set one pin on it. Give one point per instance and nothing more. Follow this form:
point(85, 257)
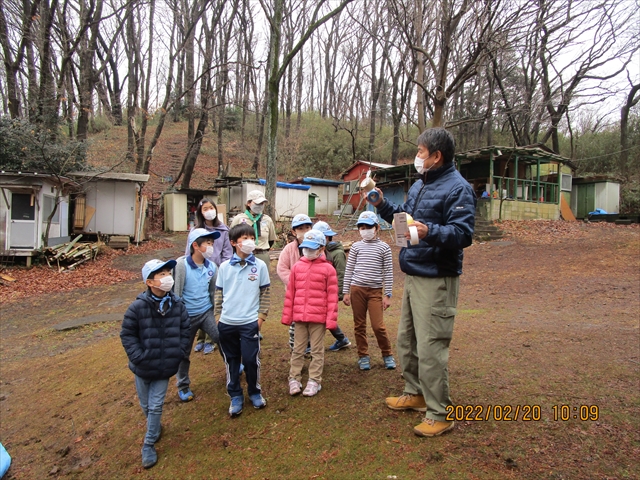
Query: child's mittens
point(331, 324)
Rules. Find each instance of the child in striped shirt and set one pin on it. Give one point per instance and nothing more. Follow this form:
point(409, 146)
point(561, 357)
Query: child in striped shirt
point(369, 272)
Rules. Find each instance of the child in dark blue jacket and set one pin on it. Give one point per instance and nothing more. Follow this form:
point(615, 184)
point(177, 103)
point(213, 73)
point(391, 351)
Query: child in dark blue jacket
point(155, 334)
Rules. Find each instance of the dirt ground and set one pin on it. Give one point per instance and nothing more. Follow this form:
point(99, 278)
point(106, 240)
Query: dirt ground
point(548, 323)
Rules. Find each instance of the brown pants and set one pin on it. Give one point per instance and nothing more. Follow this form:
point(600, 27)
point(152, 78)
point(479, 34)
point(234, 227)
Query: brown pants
point(365, 299)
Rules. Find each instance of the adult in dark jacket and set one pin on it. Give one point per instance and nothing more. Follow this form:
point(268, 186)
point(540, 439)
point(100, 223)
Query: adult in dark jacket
point(155, 334)
point(442, 204)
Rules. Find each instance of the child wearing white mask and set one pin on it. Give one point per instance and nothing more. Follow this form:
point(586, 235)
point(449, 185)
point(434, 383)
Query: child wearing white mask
point(242, 301)
point(291, 253)
point(368, 283)
point(207, 218)
point(263, 226)
point(155, 335)
point(311, 302)
point(195, 277)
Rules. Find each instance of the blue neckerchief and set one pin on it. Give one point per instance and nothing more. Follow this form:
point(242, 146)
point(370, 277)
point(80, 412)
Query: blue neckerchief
point(162, 301)
point(251, 259)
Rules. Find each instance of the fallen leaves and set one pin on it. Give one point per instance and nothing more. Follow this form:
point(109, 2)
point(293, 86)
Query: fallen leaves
point(41, 280)
point(547, 231)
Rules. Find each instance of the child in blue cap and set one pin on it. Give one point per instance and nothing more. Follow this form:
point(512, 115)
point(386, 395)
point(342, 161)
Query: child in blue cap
point(155, 334)
point(195, 283)
point(334, 251)
point(311, 302)
point(368, 283)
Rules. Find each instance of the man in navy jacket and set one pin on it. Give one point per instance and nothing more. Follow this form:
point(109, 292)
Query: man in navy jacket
point(443, 205)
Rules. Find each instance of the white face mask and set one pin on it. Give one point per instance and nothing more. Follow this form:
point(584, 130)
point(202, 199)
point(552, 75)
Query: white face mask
point(166, 283)
point(300, 237)
point(368, 234)
point(209, 214)
point(247, 246)
point(419, 164)
point(311, 254)
point(208, 254)
point(257, 208)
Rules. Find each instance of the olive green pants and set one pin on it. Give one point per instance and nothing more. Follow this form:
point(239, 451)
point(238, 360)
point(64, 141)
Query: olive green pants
point(264, 256)
point(424, 335)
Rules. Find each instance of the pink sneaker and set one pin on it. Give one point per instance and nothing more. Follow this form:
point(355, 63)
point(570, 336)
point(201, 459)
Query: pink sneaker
point(312, 388)
point(295, 387)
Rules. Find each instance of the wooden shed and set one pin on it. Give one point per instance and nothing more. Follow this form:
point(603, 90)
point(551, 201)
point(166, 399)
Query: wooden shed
point(109, 204)
point(518, 183)
point(352, 177)
point(27, 201)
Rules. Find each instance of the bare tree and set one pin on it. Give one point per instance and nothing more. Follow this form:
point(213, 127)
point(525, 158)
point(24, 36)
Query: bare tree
point(632, 100)
point(14, 54)
point(87, 72)
point(565, 26)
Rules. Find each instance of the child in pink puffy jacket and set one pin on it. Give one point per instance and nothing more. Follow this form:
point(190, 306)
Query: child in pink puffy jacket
point(311, 303)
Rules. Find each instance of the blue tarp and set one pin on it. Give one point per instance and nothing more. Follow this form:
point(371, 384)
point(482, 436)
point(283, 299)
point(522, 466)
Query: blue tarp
point(321, 181)
point(598, 211)
point(297, 186)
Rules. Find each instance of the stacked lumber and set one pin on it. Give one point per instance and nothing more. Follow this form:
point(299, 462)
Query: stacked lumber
point(69, 255)
point(119, 241)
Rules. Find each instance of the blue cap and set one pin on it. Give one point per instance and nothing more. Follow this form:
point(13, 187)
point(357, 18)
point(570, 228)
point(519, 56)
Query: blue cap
point(368, 218)
point(301, 219)
point(196, 233)
point(154, 265)
point(324, 228)
point(313, 239)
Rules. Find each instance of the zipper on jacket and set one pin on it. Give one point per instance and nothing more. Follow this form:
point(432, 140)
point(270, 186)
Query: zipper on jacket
point(419, 196)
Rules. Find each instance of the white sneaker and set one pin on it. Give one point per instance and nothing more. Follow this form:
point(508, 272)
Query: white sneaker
point(312, 388)
point(295, 387)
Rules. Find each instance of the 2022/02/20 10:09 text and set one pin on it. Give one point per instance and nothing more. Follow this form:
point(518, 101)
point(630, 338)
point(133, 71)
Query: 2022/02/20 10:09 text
point(525, 413)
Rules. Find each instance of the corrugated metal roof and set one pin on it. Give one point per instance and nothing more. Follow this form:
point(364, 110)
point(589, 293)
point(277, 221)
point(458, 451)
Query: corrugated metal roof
point(535, 151)
point(364, 162)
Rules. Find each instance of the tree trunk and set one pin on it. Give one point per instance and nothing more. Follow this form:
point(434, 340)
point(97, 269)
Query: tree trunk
point(87, 77)
point(189, 77)
point(47, 111)
point(420, 77)
point(132, 90)
point(632, 101)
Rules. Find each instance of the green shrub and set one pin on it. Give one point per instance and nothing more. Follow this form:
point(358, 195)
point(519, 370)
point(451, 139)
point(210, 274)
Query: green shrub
point(630, 197)
point(99, 124)
point(28, 147)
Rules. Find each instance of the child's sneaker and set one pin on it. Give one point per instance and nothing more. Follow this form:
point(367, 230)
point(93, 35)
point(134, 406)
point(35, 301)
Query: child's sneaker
point(235, 408)
point(389, 362)
point(208, 348)
point(312, 388)
point(340, 344)
point(258, 400)
point(199, 346)
point(295, 387)
point(186, 395)
point(149, 456)
point(364, 363)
